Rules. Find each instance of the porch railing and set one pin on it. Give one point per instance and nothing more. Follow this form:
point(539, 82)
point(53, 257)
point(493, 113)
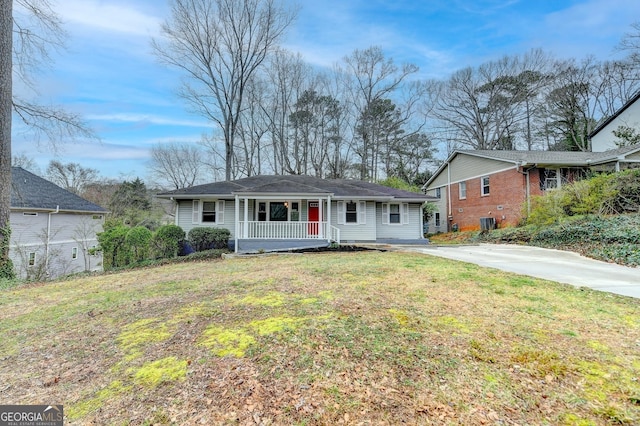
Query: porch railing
point(288, 230)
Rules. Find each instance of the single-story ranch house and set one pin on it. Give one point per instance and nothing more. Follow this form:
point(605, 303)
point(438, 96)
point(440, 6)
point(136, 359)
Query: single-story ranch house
point(52, 229)
point(292, 211)
point(482, 189)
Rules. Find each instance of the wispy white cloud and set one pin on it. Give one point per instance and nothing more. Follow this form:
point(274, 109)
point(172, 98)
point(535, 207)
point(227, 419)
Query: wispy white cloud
point(118, 17)
point(146, 118)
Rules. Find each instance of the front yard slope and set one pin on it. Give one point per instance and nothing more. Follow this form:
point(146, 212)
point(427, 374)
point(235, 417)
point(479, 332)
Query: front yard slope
point(318, 339)
point(614, 239)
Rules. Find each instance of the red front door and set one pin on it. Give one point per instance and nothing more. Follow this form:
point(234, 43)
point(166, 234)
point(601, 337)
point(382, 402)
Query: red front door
point(314, 216)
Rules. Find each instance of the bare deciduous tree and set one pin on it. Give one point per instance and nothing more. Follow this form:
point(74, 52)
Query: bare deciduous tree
point(631, 42)
point(219, 45)
point(374, 79)
point(26, 162)
point(71, 176)
point(176, 165)
point(6, 61)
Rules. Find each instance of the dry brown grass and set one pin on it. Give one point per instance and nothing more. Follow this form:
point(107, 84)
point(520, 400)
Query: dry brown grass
point(336, 338)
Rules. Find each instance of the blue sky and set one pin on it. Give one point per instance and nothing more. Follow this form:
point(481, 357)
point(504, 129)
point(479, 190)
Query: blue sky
point(109, 75)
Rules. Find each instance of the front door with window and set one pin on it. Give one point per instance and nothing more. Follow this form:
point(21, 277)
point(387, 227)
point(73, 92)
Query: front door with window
point(314, 218)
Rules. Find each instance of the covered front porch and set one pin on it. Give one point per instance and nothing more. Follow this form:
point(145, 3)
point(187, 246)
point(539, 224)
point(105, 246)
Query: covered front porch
point(289, 221)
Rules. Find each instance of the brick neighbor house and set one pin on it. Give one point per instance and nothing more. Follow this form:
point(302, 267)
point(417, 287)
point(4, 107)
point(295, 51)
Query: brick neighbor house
point(482, 188)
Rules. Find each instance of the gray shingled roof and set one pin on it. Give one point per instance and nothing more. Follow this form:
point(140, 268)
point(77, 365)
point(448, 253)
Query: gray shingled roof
point(542, 158)
point(29, 191)
point(562, 158)
point(534, 157)
point(295, 184)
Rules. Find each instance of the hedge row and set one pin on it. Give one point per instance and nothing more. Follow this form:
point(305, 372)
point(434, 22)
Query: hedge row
point(122, 245)
point(609, 238)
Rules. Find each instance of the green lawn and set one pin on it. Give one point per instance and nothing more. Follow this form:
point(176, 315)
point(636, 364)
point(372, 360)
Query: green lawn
point(331, 338)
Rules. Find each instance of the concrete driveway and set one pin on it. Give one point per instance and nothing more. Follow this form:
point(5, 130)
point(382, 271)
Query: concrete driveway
point(554, 265)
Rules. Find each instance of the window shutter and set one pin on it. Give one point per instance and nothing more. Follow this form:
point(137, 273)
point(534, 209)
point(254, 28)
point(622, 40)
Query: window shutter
point(385, 213)
point(405, 213)
point(220, 211)
point(362, 212)
point(341, 213)
point(195, 218)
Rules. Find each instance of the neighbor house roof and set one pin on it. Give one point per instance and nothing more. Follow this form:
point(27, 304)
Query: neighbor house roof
point(554, 158)
point(543, 158)
point(296, 185)
point(32, 192)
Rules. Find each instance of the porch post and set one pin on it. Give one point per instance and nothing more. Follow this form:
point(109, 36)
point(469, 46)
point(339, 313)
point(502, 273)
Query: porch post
point(329, 218)
point(246, 218)
point(237, 211)
point(320, 216)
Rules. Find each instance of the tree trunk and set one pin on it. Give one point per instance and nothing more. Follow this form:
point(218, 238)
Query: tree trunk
point(6, 44)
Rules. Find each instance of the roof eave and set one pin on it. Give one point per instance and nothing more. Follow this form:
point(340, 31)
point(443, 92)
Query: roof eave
point(52, 210)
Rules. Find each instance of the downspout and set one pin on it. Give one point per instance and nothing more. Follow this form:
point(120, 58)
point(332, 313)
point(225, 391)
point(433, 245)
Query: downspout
point(525, 173)
point(450, 212)
point(46, 247)
point(177, 213)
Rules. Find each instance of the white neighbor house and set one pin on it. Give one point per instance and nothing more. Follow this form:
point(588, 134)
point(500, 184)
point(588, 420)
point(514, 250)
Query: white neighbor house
point(602, 137)
point(291, 211)
point(52, 229)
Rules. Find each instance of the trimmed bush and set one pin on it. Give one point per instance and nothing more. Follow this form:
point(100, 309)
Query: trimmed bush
point(604, 194)
point(209, 238)
point(112, 244)
point(137, 241)
point(166, 241)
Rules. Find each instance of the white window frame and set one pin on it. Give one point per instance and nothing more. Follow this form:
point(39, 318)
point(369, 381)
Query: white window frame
point(361, 212)
point(31, 258)
point(196, 212)
point(483, 186)
point(74, 253)
point(462, 190)
point(403, 212)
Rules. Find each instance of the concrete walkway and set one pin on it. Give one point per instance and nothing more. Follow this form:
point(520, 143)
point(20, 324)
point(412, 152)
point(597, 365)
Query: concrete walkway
point(554, 265)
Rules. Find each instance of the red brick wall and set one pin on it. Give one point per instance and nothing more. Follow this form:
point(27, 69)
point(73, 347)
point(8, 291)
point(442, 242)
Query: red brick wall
point(507, 194)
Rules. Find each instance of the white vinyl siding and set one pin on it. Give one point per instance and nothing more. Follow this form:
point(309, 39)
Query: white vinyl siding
point(207, 212)
point(366, 228)
point(225, 214)
point(409, 228)
point(66, 232)
point(395, 214)
point(352, 213)
point(465, 166)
